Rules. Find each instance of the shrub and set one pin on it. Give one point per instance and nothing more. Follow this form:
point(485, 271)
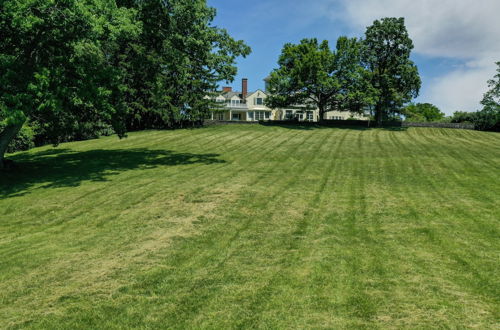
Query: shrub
point(487, 119)
point(23, 140)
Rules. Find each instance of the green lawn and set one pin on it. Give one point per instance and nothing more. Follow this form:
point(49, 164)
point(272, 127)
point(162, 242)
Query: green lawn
point(254, 227)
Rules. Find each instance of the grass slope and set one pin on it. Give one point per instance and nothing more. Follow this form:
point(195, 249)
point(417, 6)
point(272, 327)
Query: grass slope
point(252, 226)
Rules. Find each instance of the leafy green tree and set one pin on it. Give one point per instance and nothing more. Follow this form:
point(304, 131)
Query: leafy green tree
point(462, 117)
point(176, 60)
point(75, 67)
point(55, 66)
point(310, 73)
point(489, 116)
point(386, 54)
point(492, 98)
point(422, 112)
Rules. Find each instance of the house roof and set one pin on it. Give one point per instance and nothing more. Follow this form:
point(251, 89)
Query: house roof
point(230, 95)
point(259, 90)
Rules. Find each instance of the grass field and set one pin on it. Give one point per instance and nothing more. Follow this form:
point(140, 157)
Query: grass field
point(254, 227)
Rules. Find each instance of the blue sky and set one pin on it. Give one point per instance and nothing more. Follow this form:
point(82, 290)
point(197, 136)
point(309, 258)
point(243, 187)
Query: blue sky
point(456, 41)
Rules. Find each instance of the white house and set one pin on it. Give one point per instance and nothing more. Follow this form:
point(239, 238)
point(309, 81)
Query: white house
point(250, 106)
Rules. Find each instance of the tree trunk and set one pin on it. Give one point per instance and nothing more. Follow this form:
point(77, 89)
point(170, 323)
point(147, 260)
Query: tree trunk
point(6, 137)
point(379, 115)
point(321, 113)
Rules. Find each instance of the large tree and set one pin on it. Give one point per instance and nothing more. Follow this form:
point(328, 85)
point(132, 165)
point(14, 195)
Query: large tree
point(55, 65)
point(386, 54)
point(72, 66)
point(311, 73)
point(178, 58)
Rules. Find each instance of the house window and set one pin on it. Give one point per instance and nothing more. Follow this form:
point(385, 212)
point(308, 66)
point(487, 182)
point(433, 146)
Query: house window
point(259, 115)
point(236, 116)
point(310, 116)
point(267, 115)
point(258, 101)
point(235, 103)
point(220, 116)
point(250, 115)
point(289, 114)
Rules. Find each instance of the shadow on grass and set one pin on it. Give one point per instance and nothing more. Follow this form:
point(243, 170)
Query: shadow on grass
point(55, 168)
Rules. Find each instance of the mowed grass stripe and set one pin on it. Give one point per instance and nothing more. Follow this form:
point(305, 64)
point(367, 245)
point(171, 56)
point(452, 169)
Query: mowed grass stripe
point(447, 145)
point(184, 259)
point(267, 234)
point(265, 309)
point(231, 247)
point(437, 195)
point(107, 247)
point(138, 175)
point(109, 197)
point(296, 228)
point(479, 200)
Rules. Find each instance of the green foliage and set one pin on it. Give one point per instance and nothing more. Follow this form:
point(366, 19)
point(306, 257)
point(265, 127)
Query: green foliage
point(24, 140)
point(376, 71)
point(462, 117)
point(422, 112)
point(176, 60)
point(386, 55)
point(56, 64)
point(488, 118)
point(310, 73)
point(491, 100)
point(77, 67)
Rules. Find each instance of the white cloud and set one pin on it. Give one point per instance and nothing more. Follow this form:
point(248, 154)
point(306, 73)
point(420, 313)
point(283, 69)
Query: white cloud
point(460, 89)
point(466, 30)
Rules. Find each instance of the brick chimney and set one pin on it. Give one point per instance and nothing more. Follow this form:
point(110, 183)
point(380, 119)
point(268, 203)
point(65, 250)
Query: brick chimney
point(227, 89)
point(244, 88)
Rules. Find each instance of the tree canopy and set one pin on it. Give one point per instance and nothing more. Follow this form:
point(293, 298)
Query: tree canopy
point(74, 67)
point(175, 62)
point(375, 72)
point(489, 116)
point(386, 54)
point(422, 112)
point(310, 73)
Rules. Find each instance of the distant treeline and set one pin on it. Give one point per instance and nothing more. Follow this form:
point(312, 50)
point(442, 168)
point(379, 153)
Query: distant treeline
point(486, 119)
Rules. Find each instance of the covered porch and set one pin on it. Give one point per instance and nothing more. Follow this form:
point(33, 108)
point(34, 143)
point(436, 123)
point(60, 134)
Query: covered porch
point(241, 115)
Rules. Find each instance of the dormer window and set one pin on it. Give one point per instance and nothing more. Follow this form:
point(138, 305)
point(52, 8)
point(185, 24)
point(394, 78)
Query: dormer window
point(258, 101)
point(235, 102)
